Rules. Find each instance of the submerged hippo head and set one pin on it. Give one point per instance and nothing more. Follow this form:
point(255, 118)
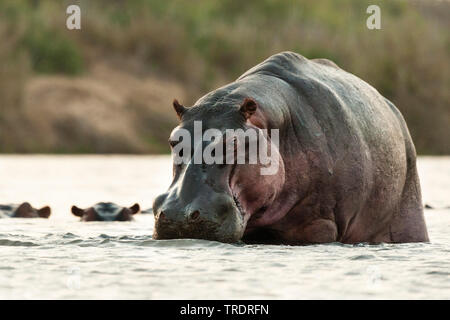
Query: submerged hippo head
point(215, 200)
point(24, 210)
point(106, 211)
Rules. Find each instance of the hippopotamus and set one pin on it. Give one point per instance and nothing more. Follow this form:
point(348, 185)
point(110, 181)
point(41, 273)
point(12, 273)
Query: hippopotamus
point(106, 211)
point(23, 210)
point(347, 164)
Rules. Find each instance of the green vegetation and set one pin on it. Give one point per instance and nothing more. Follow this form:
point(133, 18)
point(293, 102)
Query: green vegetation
point(206, 43)
point(52, 53)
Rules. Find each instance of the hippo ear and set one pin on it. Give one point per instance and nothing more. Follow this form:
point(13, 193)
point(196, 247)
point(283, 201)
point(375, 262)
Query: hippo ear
point(135, 208)
point(179, 109)
point(44, 212)
point(248, 107)
point(77, 211)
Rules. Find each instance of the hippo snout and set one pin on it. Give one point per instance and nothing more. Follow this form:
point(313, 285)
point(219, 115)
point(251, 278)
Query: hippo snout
point(192, 225)
point(216, 220)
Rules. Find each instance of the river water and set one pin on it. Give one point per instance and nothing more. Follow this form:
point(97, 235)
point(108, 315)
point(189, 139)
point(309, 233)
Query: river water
point(62, 258)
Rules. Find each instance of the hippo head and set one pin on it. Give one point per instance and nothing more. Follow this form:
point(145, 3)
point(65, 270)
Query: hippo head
point(106, 211)
point(215, 200)
point(25, 210)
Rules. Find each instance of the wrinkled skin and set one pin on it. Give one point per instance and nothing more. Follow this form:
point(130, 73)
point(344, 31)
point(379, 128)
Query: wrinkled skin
point(347, 163)
point(106, 211)
point(24, 210)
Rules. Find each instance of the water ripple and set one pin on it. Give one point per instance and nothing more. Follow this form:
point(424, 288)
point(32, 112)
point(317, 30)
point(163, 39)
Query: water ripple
point(17, 243)
point(363, 257)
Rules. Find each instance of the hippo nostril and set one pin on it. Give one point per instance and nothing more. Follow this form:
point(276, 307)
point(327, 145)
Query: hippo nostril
point(194, 215)
point(162, 216)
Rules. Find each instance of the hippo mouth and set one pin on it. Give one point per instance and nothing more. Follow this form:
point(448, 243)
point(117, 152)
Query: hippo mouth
point(199, 229)
point(238, 205)
point(236, 201)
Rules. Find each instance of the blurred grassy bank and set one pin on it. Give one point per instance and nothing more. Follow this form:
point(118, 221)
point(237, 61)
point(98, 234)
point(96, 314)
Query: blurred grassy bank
point(108, 87)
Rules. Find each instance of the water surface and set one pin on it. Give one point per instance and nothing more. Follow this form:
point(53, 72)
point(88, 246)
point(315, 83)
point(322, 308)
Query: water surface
point(62, 258)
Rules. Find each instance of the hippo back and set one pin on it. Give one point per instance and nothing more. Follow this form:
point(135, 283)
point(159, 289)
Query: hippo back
point(351, 146)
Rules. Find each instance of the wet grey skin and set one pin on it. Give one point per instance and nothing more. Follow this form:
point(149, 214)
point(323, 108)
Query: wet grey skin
point(23, 210)
point(106, 211)
point(347, 168)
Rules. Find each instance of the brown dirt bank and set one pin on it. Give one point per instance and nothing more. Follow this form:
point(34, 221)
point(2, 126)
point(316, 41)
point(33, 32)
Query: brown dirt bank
point(107, 111)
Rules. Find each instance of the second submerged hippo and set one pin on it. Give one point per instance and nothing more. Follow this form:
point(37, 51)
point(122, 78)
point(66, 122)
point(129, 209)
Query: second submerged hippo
point(106, 211)
point(23, 210)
